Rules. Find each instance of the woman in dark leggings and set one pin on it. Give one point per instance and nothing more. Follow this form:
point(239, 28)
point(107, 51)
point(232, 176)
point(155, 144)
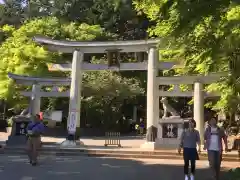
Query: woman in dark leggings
point(189, 140)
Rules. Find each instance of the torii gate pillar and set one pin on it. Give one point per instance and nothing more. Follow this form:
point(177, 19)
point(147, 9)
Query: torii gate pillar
point(199, 108)
point(75, 98)
point(152, 97)
point(35, 102)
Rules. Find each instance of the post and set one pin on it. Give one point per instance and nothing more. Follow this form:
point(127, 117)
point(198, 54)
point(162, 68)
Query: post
point(75, 95)
point(199, 108)
point(152, 97)
point(134, 113)
point(35, 100)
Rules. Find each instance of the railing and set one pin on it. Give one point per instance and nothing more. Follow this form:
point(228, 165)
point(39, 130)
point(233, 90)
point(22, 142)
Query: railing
point(112, 138)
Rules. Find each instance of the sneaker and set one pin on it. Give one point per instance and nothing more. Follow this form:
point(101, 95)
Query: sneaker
point(186, 177)
point(192, 177)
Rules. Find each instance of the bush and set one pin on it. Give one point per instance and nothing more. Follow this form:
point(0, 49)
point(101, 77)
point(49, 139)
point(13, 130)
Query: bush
point(9, 122)
point(234, 174)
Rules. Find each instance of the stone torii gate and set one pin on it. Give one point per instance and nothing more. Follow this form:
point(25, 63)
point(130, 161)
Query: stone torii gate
point(111, 48)
point(197, 93)
point(36, 93)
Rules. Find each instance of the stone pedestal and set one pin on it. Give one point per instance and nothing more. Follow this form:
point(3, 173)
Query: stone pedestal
point(169, 132)
point(19, 131)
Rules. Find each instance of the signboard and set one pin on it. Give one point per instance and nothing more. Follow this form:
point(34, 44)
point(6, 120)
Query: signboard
point(170, 131)
point(53, 115)
point(56, 116)
point(72, 123)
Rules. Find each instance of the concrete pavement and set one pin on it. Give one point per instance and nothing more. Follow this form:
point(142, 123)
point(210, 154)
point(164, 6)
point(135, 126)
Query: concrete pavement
point(130, 142)
point(86, 168)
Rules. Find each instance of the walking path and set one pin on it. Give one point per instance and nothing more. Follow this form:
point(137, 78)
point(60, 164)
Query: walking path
point(128, 143)
point(85, 168)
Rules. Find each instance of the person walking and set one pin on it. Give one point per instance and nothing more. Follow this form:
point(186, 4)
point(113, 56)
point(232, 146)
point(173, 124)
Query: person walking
point(189, 140)
point(213, 137)
point(34, 131)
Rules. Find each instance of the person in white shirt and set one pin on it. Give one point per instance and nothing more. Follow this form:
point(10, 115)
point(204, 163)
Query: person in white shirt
point(213, 137)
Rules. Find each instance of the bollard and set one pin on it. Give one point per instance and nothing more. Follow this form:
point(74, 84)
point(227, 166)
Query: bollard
point(112, 138)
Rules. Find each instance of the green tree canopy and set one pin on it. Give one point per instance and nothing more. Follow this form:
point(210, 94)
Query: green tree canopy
point(202, 34)
point(20, 55)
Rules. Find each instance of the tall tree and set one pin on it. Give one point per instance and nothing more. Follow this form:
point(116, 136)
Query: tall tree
point(12, 12)
point(20, 55)
point(204, 35)
point(116, 16)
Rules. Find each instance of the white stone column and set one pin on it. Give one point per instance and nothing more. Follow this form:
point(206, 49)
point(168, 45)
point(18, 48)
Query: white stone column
point(75, 98)
point(152, 96)
point(75, 92)
point(199, 107)
point(35, 100)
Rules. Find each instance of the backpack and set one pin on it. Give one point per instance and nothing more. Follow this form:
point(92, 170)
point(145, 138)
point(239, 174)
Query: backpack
point(28, 133)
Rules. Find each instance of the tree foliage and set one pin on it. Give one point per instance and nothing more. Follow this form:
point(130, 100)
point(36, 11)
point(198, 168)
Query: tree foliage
point(116, 16)
point(204, 35)
point(20, 55)
point(103, 92)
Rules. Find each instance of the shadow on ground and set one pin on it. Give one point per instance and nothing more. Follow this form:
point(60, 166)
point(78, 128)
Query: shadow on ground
point(88, 168)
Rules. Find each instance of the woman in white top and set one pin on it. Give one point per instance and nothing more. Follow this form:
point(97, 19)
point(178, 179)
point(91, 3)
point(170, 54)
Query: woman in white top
point(213, 137)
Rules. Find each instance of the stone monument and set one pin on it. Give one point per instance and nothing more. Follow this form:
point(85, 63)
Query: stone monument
point(19, 131)
point(169, 128)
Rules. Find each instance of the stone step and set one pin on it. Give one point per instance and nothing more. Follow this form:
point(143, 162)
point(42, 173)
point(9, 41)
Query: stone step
point(114, 153)
point(112, 150)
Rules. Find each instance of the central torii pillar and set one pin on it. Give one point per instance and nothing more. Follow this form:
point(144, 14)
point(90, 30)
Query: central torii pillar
point(75, 99)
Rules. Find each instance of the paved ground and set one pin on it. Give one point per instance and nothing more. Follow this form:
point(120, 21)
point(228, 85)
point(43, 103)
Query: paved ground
point(130, 142)
point(85, 168)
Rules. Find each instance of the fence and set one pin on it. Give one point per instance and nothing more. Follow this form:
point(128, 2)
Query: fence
point(112, 138)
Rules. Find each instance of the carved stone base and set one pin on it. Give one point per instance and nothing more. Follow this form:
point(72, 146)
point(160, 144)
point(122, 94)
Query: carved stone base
point(151, 134)
point(18, 133)
point(167, 143)
point(71, 141)
point(16, 141)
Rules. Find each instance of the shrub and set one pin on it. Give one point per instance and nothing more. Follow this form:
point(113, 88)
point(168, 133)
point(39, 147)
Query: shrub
point(9, 122)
